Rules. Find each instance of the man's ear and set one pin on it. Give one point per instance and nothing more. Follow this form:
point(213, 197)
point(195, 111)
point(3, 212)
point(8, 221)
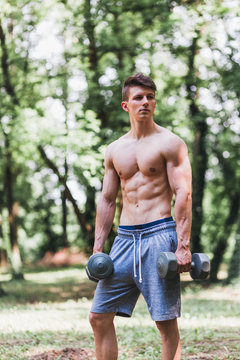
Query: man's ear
point(124, 106)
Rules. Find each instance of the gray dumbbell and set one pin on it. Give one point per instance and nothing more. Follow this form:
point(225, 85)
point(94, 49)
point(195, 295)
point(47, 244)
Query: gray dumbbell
point(99, 266)
point(167, 265)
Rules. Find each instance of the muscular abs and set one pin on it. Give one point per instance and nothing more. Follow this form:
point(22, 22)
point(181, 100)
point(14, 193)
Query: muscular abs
point(146, 193)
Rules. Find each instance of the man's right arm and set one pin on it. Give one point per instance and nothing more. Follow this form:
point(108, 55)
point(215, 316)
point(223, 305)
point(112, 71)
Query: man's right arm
point(106, 204)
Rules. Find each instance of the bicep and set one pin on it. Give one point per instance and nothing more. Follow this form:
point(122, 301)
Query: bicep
point(110, 181)
point(110, 185)
point(179, 170)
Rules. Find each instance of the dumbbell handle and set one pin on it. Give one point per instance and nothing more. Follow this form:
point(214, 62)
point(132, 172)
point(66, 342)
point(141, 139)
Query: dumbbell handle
point(168, 267)
point(193, 265)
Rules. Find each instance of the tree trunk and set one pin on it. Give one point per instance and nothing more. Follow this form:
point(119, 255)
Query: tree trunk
point(3, 253)
point(234, 268)
point(5, 68)
point(233, 193)
point(223, 240)
point(199, 168)
point(12, 206)
point(199, 164)
point(64, 219)
point(90, 216)
point(3, 258)
point(86, 227)
point(96, 99)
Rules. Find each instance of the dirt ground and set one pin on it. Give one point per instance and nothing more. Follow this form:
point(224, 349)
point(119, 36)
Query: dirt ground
point(88, 354)
point(65, 354)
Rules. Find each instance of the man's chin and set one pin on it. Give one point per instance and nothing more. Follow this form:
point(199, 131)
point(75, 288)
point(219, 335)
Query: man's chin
point(146, 115)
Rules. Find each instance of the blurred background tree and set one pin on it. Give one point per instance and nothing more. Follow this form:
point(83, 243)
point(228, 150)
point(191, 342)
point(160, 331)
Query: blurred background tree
point(61, 72)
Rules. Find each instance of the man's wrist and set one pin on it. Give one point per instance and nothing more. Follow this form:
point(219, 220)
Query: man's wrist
point(97, 249)
point(183, 247)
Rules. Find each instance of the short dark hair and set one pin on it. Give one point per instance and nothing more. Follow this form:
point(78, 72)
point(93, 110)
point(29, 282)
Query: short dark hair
point(137, 80)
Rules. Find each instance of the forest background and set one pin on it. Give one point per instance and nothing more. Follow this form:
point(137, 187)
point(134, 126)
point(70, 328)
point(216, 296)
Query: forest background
point(62, 65)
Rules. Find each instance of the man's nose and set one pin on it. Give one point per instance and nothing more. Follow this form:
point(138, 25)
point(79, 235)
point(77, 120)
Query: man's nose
point(145, 101)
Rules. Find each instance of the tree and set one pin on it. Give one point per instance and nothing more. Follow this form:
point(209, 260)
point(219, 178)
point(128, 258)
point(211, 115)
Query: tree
point(61, 73)
point(14, 95)
point(12, 204)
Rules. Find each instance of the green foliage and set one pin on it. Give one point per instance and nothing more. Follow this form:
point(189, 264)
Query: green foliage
point(62, 67)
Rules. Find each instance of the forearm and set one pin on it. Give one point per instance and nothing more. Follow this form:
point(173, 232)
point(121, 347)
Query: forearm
point(183, 217)
point(104, 221)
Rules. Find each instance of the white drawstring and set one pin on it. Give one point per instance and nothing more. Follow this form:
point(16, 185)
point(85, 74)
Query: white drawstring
point(162, 227)
point(134, 256)
point(139, 257)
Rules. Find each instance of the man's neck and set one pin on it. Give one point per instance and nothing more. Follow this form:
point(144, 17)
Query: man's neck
point(142, 129)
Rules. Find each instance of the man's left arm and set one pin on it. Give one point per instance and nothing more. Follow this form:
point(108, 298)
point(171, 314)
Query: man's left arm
point(180, 179)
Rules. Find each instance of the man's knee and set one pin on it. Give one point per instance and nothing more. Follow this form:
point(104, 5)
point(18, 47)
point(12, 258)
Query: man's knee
point(167, 327)
point(101, 321)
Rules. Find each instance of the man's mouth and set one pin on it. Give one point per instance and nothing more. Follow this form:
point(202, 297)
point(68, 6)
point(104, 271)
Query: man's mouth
point(144, 110)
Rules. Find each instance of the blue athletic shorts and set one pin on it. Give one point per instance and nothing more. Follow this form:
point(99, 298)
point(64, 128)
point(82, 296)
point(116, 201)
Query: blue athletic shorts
point(134, 254)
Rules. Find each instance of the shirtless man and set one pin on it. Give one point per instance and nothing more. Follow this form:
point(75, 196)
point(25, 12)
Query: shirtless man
point(150, 164)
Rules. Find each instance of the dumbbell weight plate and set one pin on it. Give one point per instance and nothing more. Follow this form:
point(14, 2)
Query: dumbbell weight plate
point(99, 266)
point(200, 266)
point(167, 265)
point(89, 275)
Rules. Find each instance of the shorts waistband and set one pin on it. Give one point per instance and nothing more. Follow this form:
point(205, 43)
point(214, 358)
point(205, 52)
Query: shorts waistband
point(146, 225)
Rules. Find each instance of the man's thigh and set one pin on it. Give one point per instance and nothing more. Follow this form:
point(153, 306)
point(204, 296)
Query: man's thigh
point(118, 293)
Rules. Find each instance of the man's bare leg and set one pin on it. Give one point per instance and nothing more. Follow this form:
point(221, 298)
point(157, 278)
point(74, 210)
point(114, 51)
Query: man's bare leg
point(104, 335)
point(171, 346)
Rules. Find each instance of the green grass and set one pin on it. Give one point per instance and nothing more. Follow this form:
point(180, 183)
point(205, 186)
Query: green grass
point(49, 310)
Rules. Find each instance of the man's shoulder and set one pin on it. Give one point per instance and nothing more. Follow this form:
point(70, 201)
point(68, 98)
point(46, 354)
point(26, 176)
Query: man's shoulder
point(118, 143)
point(169, 138)
point(172, 146)
point(115, 146)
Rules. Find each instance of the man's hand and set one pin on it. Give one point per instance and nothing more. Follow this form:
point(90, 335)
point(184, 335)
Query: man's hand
point(95, 251)
point(184, 260)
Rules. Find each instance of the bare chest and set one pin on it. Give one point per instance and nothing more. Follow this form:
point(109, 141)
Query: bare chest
point(145, 158)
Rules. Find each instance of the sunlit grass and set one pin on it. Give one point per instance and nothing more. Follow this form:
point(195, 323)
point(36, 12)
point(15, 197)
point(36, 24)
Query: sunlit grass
point(49, 310)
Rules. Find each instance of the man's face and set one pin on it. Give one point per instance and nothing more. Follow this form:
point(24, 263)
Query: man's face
point(140, 104)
